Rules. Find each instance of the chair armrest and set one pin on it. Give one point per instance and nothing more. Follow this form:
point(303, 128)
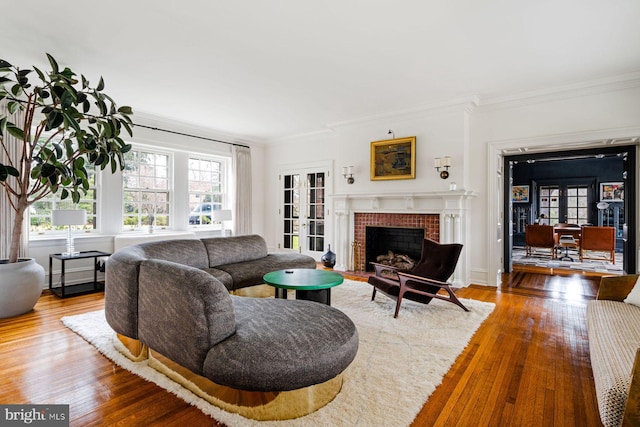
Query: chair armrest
point(380, 268)
point(616, 288)
point(631, 415)
point(422, 279)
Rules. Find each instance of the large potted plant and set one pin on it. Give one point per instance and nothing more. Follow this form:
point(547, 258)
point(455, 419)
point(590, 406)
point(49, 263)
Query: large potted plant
point(53, 127)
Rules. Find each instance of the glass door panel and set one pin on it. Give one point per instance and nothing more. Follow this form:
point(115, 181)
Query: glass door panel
point(304, 212)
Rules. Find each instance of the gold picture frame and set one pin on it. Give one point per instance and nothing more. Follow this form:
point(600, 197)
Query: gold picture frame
point(393, 159)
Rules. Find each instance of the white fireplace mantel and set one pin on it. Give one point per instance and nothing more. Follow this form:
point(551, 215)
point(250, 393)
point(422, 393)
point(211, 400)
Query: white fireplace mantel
point(451, 206)
point(427, 202)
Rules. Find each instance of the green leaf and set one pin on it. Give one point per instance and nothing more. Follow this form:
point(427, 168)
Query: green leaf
point(54, 64)
point(5, 64)
point(15, 131)
point(58, 151)
point(54, 119)
point(40, 74)
point(4, 79)
point(67, 100)
point(13, 106)
point(6, 171)
point(100, 85)
point(48, 170)
point(16, 90)
point(64, 194)
point(3, 124)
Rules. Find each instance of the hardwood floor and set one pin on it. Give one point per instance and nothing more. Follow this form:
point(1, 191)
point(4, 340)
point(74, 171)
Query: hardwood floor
point(528, 364)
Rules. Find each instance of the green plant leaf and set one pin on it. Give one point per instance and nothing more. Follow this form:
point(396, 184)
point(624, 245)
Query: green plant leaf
point(48, 170)
point(100, 86)
point(14, 131)
point(6, 171)
point(16, 89)
point(4, 79)
point(13, 106)
point(54, 64)
point(54, 119)
point(64, 194)
point(40, 74)
point(58, 151)
point(5, 64)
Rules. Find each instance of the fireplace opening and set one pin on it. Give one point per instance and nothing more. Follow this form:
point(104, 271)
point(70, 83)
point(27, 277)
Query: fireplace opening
point(399, 240)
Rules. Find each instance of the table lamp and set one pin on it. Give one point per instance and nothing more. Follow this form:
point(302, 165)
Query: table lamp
point(221, 216)
point(69, 217)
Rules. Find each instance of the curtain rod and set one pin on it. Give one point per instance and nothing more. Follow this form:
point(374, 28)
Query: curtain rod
point(189, 135)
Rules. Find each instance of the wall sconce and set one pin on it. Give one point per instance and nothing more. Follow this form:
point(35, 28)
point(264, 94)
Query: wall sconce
point(392, 133)
point(445, 163)
point(347, 172)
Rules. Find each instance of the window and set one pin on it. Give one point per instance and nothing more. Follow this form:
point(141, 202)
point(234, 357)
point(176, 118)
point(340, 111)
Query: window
point(206, 189)
point(565, 203)
point(40, 212)
point(146, 189)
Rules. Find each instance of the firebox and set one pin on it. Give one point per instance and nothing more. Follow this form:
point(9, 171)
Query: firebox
point(400, 240)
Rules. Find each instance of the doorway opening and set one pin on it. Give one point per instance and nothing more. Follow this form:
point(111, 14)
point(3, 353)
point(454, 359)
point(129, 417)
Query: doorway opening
point(570, 190)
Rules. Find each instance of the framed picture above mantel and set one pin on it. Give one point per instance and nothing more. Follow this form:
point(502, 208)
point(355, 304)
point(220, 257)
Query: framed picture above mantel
point(393, 159)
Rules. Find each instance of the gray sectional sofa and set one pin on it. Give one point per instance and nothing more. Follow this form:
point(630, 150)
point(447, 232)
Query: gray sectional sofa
point(170, 302)
point(237, 262)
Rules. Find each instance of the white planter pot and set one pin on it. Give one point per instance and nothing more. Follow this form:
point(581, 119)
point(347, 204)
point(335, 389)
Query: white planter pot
point(20, 286)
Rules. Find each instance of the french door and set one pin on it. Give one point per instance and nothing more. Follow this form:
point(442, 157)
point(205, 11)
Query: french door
point(566, 203)
point(303, 211)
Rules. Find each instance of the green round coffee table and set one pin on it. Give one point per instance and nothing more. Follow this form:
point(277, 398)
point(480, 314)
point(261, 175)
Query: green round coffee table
point(311, 285)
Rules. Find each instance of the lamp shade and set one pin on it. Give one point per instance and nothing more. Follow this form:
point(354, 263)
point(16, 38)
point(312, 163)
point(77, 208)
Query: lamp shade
point(222, 215)
point(69, 217)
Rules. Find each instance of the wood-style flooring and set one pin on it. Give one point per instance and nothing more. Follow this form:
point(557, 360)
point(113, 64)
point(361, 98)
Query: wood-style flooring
point(528, 364)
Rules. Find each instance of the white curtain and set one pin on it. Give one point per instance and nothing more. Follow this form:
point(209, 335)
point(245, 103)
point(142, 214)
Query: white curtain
point(7, 214)
point(242, 177)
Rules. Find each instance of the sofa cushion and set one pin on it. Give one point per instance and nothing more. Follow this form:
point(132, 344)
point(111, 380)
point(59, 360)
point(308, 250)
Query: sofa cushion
point(183, 312)
point(250, 273)
point(227, 250)
point(282, 345)
point(224, 277)
point(614, 337)
point(183, 251)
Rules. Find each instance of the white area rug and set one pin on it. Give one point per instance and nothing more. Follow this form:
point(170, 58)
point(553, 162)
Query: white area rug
point(399, 363)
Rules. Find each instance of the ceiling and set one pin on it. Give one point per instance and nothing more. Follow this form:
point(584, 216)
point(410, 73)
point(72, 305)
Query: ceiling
point(261, 70)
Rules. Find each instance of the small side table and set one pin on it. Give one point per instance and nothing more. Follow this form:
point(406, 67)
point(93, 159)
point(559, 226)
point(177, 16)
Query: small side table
point(83, 288)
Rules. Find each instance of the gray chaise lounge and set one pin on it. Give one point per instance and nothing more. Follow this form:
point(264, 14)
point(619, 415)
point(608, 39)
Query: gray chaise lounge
point(262, 358)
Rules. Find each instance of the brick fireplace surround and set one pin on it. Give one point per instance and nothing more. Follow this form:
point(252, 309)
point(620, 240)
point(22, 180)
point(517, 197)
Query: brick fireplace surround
point(429, 222)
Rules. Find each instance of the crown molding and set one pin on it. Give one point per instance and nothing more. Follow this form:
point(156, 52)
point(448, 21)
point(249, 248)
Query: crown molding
point(154, 120)
point(585, 88)
point(459, 104)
